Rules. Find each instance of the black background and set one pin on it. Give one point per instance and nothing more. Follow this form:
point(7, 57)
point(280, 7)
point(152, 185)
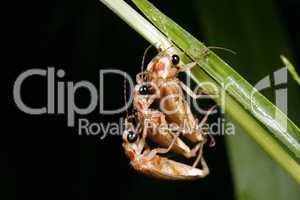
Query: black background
point(41, 158)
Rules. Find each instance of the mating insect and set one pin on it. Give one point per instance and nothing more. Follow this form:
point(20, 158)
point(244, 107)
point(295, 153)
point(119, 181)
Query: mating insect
point(157, 85)
point(147, 161)
point(153, 121)
point(164, 69)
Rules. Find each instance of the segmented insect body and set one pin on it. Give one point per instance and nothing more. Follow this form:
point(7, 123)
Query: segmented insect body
point(147, 161)
point(164, 69)
point(153, 121)
point(159, 85)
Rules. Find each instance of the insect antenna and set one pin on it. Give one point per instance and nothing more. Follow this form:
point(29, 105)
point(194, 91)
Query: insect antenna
point(146, 51)
point(144, 56)
point(222, 48)
point(165, 50)
point(125, 95)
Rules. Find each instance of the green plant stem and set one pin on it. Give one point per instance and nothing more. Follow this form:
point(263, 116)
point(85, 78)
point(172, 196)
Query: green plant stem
point(138, 23)
point(251, 99)
point(233, 108)
point(236, 112)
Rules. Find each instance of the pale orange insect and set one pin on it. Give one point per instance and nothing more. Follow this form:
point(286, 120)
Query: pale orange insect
point(155, 86)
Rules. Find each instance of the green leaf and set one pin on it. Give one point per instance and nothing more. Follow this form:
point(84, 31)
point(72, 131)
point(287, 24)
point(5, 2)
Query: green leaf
point(291, 69)
point(252, 100)
point(259, 107)
point(265, 130)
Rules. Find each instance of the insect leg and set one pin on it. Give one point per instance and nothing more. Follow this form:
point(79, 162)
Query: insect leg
point(155, 151)
point(205, 169)
point(142, 77)
point(189, 91)
point(142, 141)
point(187, 67)
point(164, 133)
point(212, 141)
point(195, 149)
point(199, 156)
point(204, 119)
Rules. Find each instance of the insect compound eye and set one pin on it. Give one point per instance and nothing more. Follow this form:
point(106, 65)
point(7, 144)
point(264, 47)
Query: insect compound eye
point(175, 59)
point(132, 136)
point(145, 90)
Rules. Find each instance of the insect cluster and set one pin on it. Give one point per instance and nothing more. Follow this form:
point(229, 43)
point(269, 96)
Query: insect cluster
point(162, 116)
